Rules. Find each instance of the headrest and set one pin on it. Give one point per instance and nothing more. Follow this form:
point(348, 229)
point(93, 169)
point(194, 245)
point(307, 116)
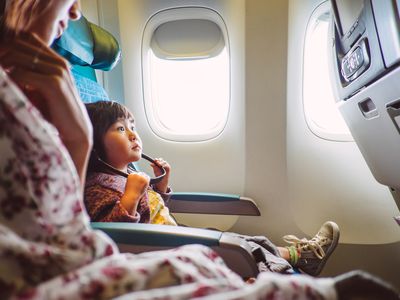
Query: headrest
point(86, 44)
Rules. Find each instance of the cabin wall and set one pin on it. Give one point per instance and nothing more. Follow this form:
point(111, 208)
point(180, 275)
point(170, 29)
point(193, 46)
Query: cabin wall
point(330, 179)
point(266, 178)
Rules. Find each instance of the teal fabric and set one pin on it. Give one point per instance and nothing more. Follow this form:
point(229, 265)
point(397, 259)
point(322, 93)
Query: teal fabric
point(76, 43)
point(86, 44)
point(212, 197)
point(87, 72)
point(89, 90)
point(158, 235)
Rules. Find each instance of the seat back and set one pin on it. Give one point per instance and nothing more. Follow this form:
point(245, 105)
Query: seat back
point(366, 71)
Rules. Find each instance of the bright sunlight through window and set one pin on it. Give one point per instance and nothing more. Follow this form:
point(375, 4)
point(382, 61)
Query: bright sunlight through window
point(190, 97)
point(322, 114)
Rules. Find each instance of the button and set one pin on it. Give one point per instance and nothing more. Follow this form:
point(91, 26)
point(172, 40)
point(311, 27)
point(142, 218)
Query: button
point(352, 62)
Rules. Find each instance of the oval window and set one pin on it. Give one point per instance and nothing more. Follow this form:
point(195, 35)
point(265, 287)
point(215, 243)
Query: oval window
point(320, 108)
point(186, 74)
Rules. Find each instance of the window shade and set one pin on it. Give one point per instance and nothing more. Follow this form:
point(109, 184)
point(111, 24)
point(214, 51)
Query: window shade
point(187, 39)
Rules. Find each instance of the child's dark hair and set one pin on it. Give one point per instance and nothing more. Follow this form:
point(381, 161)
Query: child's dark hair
point(103, 114)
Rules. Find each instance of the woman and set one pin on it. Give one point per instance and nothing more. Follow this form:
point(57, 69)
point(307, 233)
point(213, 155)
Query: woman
point(47, 250)
point(43, 229)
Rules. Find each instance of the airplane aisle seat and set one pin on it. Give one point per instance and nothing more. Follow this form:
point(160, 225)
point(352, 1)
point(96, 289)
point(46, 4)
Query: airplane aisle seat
point(366, 71)
point(86, 47)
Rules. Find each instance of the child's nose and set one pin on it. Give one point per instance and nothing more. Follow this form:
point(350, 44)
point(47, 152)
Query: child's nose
point(132, 136)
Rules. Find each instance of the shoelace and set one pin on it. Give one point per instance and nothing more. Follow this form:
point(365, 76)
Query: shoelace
point(315, 244)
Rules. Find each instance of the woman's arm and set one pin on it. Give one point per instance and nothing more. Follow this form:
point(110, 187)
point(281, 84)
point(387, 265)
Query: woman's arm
point(45, 78)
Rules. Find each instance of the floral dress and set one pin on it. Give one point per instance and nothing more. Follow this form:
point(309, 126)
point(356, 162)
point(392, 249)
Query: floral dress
point(48, 251)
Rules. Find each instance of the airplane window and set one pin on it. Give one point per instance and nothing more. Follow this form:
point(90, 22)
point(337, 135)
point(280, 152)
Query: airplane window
point(187, 78)
point(320, 108)
point(190, 97)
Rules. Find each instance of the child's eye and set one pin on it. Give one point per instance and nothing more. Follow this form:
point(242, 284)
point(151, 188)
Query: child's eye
point(121, 128)
point(133, 128)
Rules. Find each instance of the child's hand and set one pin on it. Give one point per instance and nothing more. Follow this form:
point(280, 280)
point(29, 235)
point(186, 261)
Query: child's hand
point(137, 183)
point(162, 186)
point(136, 186)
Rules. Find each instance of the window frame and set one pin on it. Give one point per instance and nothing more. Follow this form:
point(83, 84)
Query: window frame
point(322, 9)
point(161, 17)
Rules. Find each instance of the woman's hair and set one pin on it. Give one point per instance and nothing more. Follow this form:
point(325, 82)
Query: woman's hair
point(2, 7)
point(19, 14)
point(103, 114)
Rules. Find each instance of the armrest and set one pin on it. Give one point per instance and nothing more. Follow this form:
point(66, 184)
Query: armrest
point(210, 203)
point(137, 238)
point(154, 235)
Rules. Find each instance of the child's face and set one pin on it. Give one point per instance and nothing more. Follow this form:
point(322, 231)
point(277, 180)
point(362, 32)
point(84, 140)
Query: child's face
point(122, 144)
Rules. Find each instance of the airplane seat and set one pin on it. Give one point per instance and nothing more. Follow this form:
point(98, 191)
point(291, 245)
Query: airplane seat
point(83, 44)
point(89, 90)
point(365, 67)
point(88, 47)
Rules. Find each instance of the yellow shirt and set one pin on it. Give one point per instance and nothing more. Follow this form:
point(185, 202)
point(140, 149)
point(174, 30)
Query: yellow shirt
point(159, 213)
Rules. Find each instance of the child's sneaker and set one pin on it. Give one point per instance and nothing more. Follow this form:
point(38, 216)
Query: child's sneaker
point(310, 256)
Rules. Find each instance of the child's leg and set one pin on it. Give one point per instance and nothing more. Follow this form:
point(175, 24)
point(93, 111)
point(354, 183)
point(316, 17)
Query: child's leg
point(284, 253)
point(310, 256)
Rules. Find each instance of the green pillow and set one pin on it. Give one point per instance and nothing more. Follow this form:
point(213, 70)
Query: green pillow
point(87, 44)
